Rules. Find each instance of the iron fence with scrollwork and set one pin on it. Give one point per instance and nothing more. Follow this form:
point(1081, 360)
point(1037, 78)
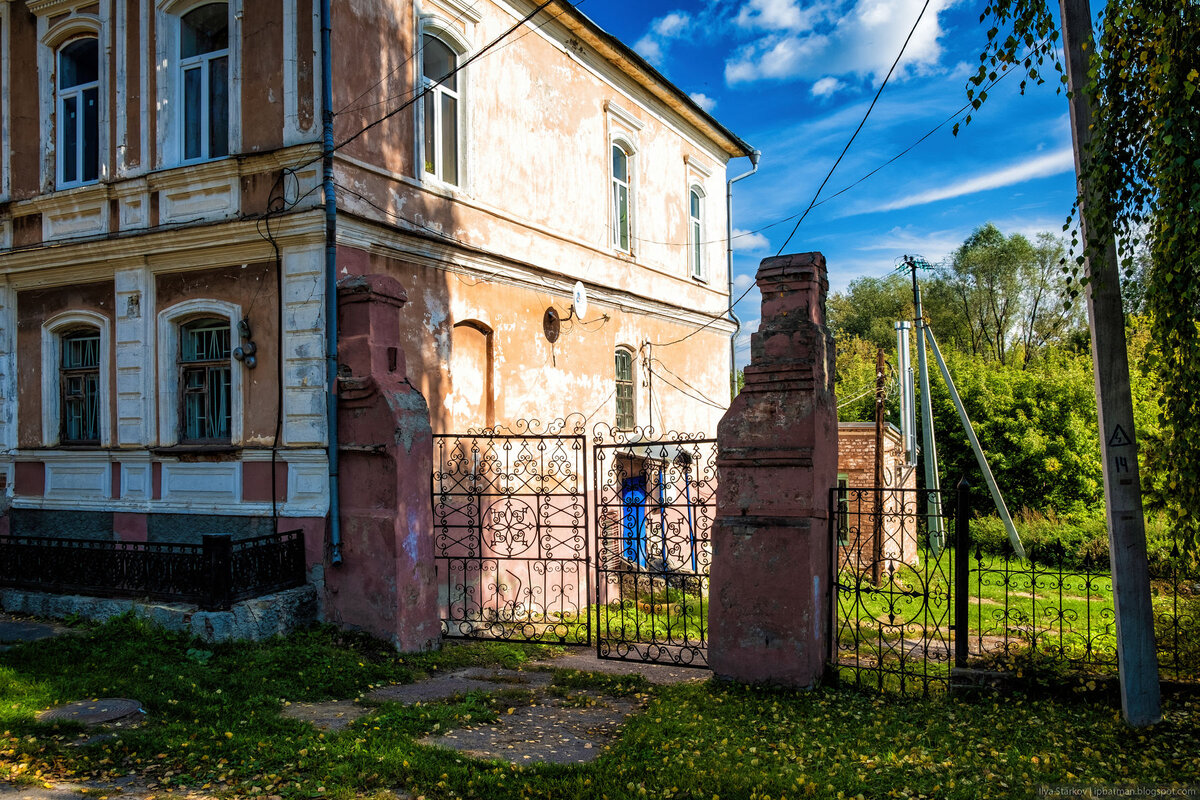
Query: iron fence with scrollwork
point(213, 574)
point(510, 532)
point(655, 506)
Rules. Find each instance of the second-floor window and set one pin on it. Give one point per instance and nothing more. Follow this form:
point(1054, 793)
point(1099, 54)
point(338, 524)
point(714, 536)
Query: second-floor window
point(441, 110)
point(696, 220)
point(622, 212)
point(205, 381)
point(78, 112)
point(204, 81)
point(79, 379)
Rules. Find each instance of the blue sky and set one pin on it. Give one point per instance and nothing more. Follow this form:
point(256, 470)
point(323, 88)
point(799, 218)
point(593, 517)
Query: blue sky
point(794, 77)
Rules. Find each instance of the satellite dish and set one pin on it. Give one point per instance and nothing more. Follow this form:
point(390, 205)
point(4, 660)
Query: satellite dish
point(579, 300)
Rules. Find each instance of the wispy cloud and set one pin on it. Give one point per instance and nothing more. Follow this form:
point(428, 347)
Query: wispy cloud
point(827, 86)
point(855, 37)
point(741, 281)
point(704, 101)
point(663, 30)
point(1043, 166)
point(749, 241)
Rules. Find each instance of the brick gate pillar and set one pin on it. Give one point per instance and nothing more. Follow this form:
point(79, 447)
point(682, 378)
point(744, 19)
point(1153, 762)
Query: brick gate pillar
point(769, 601)
point(386, 584)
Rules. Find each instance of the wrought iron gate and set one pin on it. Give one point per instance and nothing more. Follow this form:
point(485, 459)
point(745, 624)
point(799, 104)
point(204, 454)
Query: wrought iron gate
point(511, 533)
point(655, 503)
point(893, 579)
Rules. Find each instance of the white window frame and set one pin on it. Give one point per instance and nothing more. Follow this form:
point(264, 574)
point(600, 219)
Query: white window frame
point(77, 92)
point(50, 41)
point(446, 33)
point(53, 330)
point(630, 185)
point(697, 263)
point(169, 397)
point(168, 21)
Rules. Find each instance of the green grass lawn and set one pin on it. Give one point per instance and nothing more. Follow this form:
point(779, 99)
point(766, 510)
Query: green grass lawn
point(1013, 605)
point(214, 725)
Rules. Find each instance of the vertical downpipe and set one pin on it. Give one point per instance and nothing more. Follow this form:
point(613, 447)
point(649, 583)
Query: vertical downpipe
point(331, 324)
point(737, 323)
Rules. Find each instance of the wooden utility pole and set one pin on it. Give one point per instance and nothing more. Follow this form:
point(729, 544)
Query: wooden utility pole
point(877, 537)
point(1136, 657)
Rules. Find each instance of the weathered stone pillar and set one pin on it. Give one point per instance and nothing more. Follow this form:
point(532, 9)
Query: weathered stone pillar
point(386, 584)
point(769, 600)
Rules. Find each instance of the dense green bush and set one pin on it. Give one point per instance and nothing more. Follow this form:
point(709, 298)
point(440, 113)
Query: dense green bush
point(1079, 541)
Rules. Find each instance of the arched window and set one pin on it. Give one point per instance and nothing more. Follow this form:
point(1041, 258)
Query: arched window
point(441, 110)
point(696, 232)
point(622, 212)
point(626, 418)
point(205, 381)
point(79, 386)
point(204, 81)
point(78, 112)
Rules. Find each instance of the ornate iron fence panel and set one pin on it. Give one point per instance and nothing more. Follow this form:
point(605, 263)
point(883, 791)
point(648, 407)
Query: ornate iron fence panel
point(655, 504)
point(893, 583)
point(267, 564)
point(212, 574)
point(510, 525)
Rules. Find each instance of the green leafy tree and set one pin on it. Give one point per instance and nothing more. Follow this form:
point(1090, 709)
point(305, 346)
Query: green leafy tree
point(1142, 171)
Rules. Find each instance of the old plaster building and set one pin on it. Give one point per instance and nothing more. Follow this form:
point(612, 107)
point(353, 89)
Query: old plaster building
point(164, 271)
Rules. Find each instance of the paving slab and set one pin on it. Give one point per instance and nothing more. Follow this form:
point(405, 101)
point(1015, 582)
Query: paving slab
point(333, 716)
point(588, 661)
point(14, 630)
point(549, 733)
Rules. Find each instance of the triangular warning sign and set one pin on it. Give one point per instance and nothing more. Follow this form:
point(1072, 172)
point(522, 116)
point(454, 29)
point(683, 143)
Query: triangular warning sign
point(1119, 438)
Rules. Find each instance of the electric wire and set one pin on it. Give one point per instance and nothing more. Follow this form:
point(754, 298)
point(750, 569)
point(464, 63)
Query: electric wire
point(854, 136)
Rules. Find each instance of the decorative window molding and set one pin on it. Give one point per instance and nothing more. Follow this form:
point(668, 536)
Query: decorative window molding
point(53, 330)
point(623, 117)
point(170, 399)
point(467, 10)
point(442, 119)
point(626, 416)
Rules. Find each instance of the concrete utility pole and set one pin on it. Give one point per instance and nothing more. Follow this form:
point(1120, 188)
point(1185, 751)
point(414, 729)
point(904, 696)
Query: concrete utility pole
point(1136, 658)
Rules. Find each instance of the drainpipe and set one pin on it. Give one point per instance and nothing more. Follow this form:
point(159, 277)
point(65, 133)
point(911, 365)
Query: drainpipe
point(331, 326)
point(754, 157)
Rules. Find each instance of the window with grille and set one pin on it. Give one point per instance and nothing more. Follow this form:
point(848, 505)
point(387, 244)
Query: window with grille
point(79, 377)
point(205, 375)
point(625, 415)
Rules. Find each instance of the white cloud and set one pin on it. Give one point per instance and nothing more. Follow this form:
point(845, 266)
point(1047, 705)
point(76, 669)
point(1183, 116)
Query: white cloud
point(648, 48)
point(663, 30)
point(827, 86)
point(672, 25)
point(778, 15)
point(862, 41)
point(1043, 166)
point(741, 281)
point(704, 101)
point(748, 241)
